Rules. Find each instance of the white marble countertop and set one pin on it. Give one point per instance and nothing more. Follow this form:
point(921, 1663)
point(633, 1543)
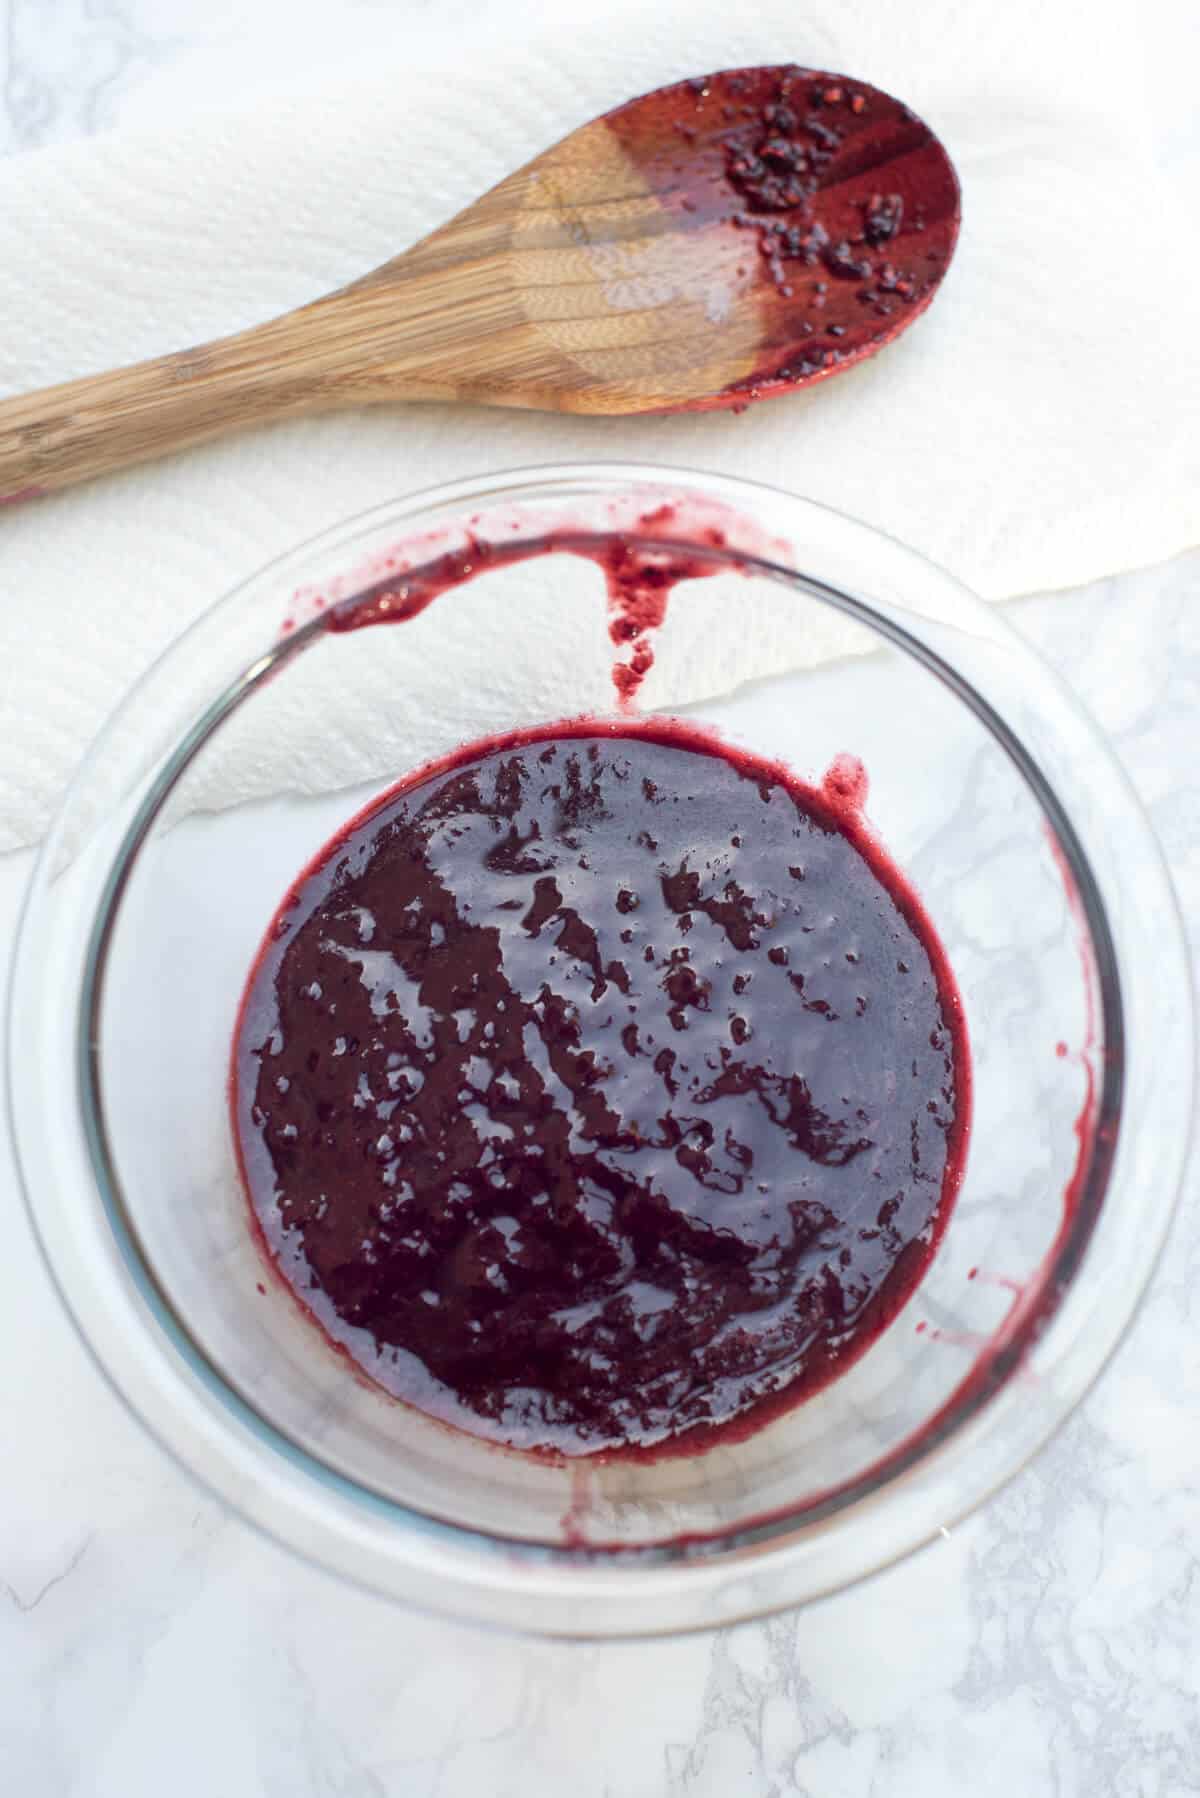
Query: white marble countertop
point(150, 1642)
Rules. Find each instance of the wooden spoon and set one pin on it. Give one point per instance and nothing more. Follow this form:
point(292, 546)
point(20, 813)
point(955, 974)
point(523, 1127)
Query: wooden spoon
point(706, 245)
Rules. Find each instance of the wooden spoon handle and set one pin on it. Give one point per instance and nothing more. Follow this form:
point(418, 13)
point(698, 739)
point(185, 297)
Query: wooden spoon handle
point(414, 329)
point(69, 433)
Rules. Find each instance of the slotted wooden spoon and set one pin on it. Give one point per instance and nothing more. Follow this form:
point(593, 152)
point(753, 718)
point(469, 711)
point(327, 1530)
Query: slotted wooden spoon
point(709, 244)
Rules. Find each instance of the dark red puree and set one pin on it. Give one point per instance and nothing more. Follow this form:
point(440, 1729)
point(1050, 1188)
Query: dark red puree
point(601, 1087)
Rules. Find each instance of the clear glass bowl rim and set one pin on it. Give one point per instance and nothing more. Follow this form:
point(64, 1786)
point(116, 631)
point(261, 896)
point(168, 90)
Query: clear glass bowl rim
point(577, 1571)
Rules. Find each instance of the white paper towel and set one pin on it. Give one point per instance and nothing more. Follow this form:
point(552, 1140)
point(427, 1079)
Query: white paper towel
point(1036, 429)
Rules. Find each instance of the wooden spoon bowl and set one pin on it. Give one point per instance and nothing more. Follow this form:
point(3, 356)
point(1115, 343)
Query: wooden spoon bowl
point(711, 243)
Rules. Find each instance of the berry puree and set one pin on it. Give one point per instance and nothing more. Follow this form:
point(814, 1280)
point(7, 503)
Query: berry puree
point(602, 1088)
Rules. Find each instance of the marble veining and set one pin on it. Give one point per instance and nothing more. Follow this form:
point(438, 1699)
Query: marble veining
point(1050, 1646)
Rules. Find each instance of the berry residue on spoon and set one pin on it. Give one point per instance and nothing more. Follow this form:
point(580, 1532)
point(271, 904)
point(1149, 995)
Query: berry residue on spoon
point(848, 205)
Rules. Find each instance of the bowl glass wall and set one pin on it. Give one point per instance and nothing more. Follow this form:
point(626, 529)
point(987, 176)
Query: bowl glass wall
point(262, 731)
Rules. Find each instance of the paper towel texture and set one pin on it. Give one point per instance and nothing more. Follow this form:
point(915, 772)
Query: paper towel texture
point(1036, 429)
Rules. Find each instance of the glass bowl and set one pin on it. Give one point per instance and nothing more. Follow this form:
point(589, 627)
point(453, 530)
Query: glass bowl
point(261, 731)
